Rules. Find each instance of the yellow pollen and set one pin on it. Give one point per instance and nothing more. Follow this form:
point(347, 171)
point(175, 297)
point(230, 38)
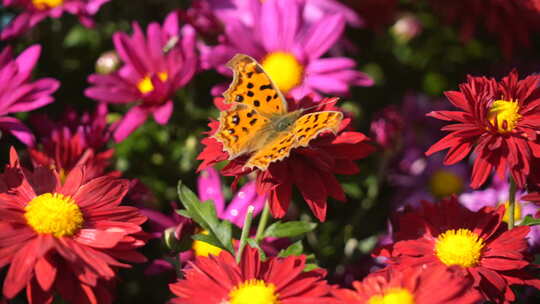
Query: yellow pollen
point(284, 69)
point(517, 212)
point(393, 296)
point(254, 292)
point(203, 248)
point(445, 183)
point(506, 114)
point(54, 213)
point(46, 4)
point(146, 85)
point(462, 247)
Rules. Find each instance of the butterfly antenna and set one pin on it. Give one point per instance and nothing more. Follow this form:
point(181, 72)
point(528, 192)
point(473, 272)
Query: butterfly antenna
point(171, 43)
point(330, 100)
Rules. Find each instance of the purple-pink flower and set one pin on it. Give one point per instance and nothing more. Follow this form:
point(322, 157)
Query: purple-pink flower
point(289, 47)
point(19, 94)
point(34, 11)
point(155, 66)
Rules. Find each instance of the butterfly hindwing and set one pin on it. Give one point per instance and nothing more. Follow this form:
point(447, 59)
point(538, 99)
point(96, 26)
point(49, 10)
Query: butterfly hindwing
point(252, 86)
point(303, 130)
point(309, 126)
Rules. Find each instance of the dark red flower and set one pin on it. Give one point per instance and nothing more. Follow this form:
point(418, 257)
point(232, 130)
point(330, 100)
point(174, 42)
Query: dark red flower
point(435, 285)
point(499, 120)
point(511, 21)
point(219, 279)
point(65, 238)
point(448, 234)
point(72, 141)
point(311, 169)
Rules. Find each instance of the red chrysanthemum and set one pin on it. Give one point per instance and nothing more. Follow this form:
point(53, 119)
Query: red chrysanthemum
point(219, 279)
point(499, 120)
point(311, 169)
point(73, 141)
point(448, 234)
point(435, 285)
point(65, 238)
point(512, 21)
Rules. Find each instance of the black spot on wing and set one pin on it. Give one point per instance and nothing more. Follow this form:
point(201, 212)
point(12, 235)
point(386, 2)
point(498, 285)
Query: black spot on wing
point(250, 94)
point(257, 103)
point(239, 98)
point(250, 85)
point(265, 87)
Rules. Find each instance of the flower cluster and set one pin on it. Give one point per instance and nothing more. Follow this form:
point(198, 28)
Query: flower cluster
point(88, 183)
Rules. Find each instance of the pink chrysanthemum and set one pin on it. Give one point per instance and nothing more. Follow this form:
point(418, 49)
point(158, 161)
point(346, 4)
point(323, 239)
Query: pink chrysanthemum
point(34, 11)
point(19, 94)
point(155, 66)
point(289, 48)
point(65, 238)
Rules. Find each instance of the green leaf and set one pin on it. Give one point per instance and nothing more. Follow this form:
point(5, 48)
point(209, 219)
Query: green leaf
point(183, 212)
point(289, 229)
point(310, 267)
point(295, 249)
point(254, 244)
point(207, 238)
point(530, 221)
point(204, 213)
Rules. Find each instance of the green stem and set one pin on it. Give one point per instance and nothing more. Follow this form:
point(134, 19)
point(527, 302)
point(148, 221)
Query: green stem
point(263, 221)
point(511, 203)
point(245, 233)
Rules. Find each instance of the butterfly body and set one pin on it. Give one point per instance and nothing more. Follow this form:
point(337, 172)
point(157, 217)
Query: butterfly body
point(258, 122)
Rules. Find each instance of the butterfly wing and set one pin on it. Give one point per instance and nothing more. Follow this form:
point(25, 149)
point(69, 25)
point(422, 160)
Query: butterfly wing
point(252, 86)
point(304, 129)
point(309, 126)
point(241, 130)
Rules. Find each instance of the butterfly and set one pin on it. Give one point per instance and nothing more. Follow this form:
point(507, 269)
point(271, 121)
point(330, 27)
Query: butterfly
point(258, 121)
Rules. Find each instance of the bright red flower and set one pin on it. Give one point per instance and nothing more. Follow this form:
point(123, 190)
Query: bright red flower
point(219, 279)
point(499, 120)
point(511, 21)
point(435, 285)
point(311, 168)
point(448, 234)
point(65, 238)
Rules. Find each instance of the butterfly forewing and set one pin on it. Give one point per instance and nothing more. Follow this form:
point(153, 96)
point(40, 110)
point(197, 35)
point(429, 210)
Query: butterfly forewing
point(241, 130)
point(252, 86)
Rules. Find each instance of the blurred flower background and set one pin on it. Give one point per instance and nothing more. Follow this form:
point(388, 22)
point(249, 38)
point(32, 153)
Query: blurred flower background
point(131, 89)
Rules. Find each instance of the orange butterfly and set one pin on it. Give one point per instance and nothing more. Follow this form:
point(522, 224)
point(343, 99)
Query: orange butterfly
point(258, 121)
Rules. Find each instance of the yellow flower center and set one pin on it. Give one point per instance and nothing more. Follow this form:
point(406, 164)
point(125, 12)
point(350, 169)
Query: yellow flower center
point(444, 183)
point(46, 4)
point(54, 213)
point(517, 212)
point(203, 248)
point(254, 292)
point(504, 115)
point(462, 247)
point(284, 69)
point(146, 85)
point(393, 296)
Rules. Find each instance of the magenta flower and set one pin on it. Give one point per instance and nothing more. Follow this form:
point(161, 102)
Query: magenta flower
point(155, 67)
point(209, 188)
point(290, 49)
point(34, 11)
point(314, 10)
point(18, 94)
